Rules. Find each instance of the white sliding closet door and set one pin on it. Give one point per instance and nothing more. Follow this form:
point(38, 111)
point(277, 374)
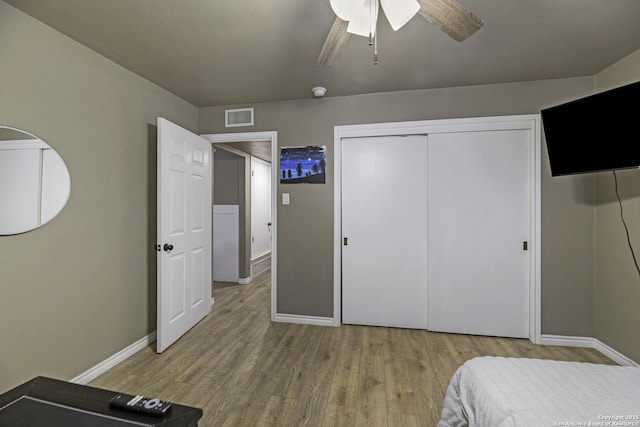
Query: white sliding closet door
point(478, 221)
point(384, 225)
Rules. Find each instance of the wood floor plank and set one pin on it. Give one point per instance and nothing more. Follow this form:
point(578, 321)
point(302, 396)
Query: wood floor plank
point(269, 415)
point(397, 374)
point(371, 406)
point(313, 398)
point(244, 370)
point(343, 392)
point(294, 386)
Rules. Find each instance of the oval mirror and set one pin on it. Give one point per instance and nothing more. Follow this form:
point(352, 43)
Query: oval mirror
point(34, 182)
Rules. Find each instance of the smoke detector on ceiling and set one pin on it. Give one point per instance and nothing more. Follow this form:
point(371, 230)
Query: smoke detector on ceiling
point(319, 91)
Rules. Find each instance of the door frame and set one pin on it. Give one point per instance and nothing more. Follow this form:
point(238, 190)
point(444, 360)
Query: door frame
point(272, 137)
point(529, 122)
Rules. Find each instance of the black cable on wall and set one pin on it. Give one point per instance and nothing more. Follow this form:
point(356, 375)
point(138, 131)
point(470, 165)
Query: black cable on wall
point(626, 229)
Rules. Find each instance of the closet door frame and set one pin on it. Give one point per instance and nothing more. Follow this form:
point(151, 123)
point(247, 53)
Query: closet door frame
point(529, 122)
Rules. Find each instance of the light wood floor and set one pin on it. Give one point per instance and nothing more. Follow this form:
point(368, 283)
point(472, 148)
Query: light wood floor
point(243, 370)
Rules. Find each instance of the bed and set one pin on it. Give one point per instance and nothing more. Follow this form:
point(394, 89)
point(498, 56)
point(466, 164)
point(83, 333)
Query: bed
point(504, 391)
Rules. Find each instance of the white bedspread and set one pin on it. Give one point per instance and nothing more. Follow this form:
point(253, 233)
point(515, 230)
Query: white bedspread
point(501, 392)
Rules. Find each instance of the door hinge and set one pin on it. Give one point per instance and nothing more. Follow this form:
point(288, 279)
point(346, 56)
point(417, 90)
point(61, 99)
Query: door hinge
point(525, 246)
point(345, 241)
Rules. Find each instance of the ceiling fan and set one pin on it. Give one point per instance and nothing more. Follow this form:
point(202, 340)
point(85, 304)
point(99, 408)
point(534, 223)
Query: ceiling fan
point(360, 17)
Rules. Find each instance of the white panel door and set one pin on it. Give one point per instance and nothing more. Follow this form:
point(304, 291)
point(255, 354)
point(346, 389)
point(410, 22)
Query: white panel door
point(478, 219)
point(384, 224)
point(260, 208)
point(226, 243)
point(184, 231)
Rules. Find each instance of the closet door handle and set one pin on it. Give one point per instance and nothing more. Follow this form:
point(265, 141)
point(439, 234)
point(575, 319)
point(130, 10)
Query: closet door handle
point(167, 247)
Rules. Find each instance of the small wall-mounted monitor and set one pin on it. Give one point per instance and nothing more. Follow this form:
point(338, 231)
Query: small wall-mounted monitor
point(597, 133)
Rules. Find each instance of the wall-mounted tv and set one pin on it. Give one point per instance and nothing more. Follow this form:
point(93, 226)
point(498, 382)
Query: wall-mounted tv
point(597, 133)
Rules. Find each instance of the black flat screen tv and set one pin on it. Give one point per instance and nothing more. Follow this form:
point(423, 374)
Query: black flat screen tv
point(600, 132)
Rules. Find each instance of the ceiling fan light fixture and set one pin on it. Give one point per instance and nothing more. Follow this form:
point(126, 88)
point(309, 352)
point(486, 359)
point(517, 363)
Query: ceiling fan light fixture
point(399, 12)
point(449, 16)
point(346, 9)
point(363, 22)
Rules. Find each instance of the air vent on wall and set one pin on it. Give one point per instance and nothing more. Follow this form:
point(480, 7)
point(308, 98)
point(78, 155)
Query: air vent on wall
point(238, 117)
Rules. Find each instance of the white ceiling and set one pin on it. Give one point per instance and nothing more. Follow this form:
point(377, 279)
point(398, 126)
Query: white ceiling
point(214, 52)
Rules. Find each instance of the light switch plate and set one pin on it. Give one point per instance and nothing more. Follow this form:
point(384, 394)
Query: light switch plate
point(285, 198)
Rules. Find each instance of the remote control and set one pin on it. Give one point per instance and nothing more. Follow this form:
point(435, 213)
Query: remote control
point(140, 404)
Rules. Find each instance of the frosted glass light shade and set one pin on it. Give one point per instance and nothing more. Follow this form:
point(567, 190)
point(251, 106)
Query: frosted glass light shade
point(399, 12)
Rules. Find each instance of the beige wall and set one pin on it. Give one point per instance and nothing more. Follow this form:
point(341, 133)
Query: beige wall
point(81, 288)
point(617, 285)
point(226, 178)
point(305, 227)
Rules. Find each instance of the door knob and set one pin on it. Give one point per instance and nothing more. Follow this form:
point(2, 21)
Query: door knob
point(167, 247)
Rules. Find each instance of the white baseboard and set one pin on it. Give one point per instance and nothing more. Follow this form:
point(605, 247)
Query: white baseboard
point(587, 342)
point(244, 280)
point(306, 320)
point(102, 367)
point(112, 361)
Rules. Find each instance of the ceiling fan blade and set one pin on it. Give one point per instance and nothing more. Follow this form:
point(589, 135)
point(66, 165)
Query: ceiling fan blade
point(451, 18)
point(333, 44)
